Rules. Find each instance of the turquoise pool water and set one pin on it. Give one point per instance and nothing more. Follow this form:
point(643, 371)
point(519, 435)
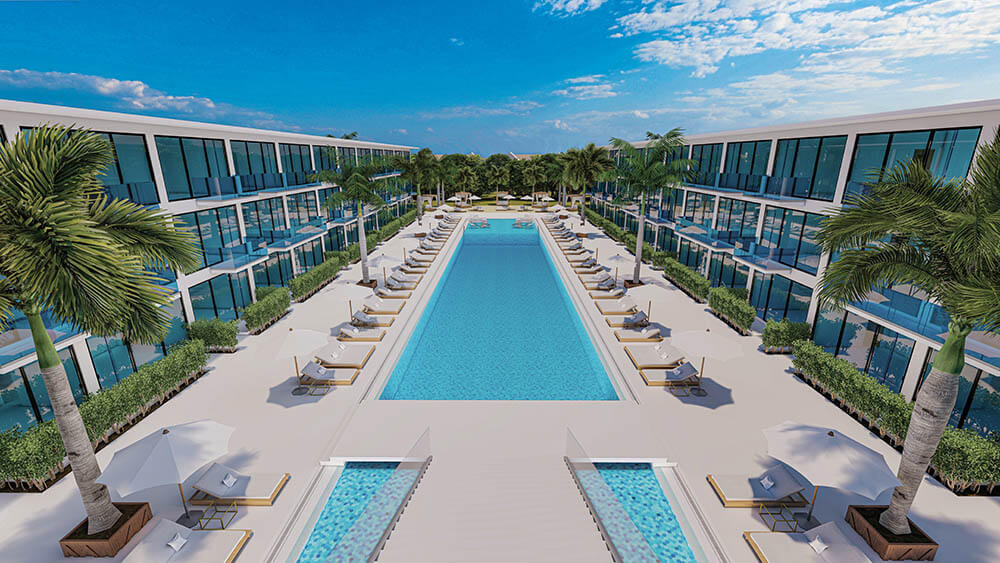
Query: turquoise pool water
point(500, 326)
point(357, 512)
point(639, 494)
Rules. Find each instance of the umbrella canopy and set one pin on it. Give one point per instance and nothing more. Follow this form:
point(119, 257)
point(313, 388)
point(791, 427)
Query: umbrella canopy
point(556, 208)
point(383, 261)
point(454, 198)
point(526, 197)
point(166, 457)
point(830, 459)
point(508, 197)
point(547, 198)
point(475, 198)
point(297, 342)
point(697, 343)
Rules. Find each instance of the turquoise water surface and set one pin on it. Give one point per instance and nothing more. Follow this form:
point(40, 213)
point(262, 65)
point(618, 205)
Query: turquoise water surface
point(357, 511)
point(500, 326)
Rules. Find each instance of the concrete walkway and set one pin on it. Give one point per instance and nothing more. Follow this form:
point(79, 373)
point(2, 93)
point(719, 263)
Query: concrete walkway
point(497, 489)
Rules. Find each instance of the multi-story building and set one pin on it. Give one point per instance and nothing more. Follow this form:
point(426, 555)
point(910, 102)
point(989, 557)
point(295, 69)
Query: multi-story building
point(750, 215)
point(244, 192)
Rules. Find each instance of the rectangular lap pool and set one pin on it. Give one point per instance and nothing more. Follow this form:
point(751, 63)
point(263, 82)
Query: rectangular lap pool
point(500, 326)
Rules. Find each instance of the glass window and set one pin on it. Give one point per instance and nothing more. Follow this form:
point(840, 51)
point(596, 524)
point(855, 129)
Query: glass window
point(251, 157)
point(217, 231)
point(187, 162)
point(16, 408)
point(777, 297)
point(950, 152)
point(831, 156)
point(294, 158)
point(222, 292)
point(112, 359)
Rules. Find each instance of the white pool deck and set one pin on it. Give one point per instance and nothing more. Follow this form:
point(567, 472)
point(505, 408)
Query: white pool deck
point(498, 489)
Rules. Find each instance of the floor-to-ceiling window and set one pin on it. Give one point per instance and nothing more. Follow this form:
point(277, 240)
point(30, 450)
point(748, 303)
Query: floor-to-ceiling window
point(793, 236)
point(876, 350)
point(698, 208)
point(707, 159)
point(737, 221)
point(724, 271)
point(24, 400)
point(188, 165)
point(222, 296)
point(324, 157)
point(294, 158)
point(746, 165)
point(130, 175)
point(114, 359)
point(777, 297)
point(691, 255)
point(334, 239)
point(262, 217)
point(217, 230)
point(347, 156)
point(256, 165)
point(945, 152)
point(277, 271)
point(309, 255)
point(978, 403)
point(302, 208)
point(807, 167)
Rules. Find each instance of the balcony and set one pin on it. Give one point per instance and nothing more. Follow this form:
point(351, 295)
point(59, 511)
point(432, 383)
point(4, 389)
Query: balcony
point(286, 238)
point(748, 183)
point(782, 187)
point(703, 235)
point(764, 259)
point(239, 257)
point(143, 193)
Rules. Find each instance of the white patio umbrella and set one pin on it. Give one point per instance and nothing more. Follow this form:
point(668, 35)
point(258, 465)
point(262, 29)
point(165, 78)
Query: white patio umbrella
point(384, 261)
point(454, 198)
point(617, 260)
point(556, 208)
point(547, 199)
point(827, 458)
point(475, 198)
point(509, 197)
point(169, 455)
point(526, 198)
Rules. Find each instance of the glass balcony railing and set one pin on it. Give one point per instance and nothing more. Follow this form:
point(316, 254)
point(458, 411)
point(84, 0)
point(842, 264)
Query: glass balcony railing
point(143, 193)
point(16, 341)
point(750, 183)
point(237, 257)
point(260, 182)
point(286, 238)
point(787, 187)
point(703, 235)
point(764, 258)
point(223, 187)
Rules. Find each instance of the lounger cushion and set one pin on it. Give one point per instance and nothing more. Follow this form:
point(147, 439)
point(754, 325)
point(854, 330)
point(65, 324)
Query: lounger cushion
point(743, 487)
point(177, 542)
point(778, 547)
point(153, 546)
point(215, 545)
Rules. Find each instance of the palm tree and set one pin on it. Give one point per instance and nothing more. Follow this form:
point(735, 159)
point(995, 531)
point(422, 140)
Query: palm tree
point(533, 173)
point(583, 167)
point(69, 249)
point(644, 172)
point(497, 175)
point(421, 171)
point(941, 237)
point(357, 188)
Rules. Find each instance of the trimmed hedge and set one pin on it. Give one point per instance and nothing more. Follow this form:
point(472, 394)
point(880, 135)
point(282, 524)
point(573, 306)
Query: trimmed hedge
point(270, 306)
point(780, 335)
point(683, 277)
point(34, 457)
point(731, 307)
point(964, 460)
point(620, 235)
point(386, 231)
point(305, 285)
point(217, 334)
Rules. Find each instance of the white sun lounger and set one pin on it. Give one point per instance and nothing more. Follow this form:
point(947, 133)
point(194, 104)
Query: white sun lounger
point(222, 546)
point(399, 286)
point(377, 306)
point(606, 284)
point(779, 547)
point(249, 490)
point(413, 270)
point(385, 293)
point(340, 355)
point(623, 306)
point(615, 293)
point(582, 257)
point(660, 355)
point(355, 334)
point(404, 278)
point(362, 318)
point(647, 334)
point(597, 278)
point(638, 319)
point(321, 379)
point(679, 380)
point(743, 491)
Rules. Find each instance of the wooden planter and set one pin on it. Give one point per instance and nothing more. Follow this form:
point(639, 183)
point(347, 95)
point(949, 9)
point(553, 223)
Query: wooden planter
point(221, 349)
point(419, 235)
point(779, 349)
point(107, 543)
point(916, 546)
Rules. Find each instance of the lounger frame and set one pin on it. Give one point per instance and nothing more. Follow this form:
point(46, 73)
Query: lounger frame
point(201, 498)
point(794, 500)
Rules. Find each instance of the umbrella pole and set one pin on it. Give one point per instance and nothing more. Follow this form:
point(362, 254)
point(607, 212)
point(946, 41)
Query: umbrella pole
point(183, 503)
point(812, 505)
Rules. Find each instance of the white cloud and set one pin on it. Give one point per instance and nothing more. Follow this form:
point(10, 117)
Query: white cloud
point(457, 42)
point(616, 35)
point(561, 125)
point(587, 92)
point(138, 96)
point(510, 108)
point(640, 114)
point(568, 7)
point(590, 79)
point(399, 131)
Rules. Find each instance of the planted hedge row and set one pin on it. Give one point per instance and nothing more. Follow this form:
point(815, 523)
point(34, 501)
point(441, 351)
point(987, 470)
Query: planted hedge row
point(622, 236)
point(384, 233)
point(306, 285)
point(691, 282)
point(33, 459)
point(779, 336)
point(217, 334)
point(732, 307)
point(272, 304)
point(964, 461)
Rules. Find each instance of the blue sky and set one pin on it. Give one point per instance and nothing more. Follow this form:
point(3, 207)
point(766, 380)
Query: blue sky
point(510, 75)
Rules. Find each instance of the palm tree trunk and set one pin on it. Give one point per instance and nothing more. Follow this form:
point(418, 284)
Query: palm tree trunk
point(101, 513)
point(420, 207)
point(362, 242)
point(638, 238)
point(931, 412)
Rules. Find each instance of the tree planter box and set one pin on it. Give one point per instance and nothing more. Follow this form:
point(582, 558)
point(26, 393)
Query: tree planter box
point(269, 323)
point(108, 543)
point(778, 349)
point(419, 235)
point(221, 349)
point(630, 284)
point(731, 324)
point(916, 546)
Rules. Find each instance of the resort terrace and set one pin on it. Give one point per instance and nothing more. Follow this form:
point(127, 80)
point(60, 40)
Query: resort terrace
point(498, 488)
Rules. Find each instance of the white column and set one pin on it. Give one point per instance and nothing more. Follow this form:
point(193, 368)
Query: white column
point(86, 366)
point(182, 287)
point(229, 156)
point(284, 207)
point(913, 370)
point(154, 159)
point(845, 168)
point(770, 158)
point(715, 211)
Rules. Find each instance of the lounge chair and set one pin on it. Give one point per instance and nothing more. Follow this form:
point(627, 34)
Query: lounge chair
point(247, 490)
point(355, 334)
point(376, 306)
point(590, 261)
point(200, 545)
point(776, 547)
point(424, 253)
point(596, 278)
point(742, 491)
point(575, 245)
point(660, 355)
point(606, 284)
point(399, 286)
point(588, 271)
point(412, 270)
point(629, 321)
point(321, 379)
point(647, 334)
point(680, 380)
point(428, 245)
point(362, 318)
point(339, 355)
point(406, 278)
point(576, 252)
point(616, 293)
point(385, 293)
point(623, 306)
point(419, 258)
point(583, 257)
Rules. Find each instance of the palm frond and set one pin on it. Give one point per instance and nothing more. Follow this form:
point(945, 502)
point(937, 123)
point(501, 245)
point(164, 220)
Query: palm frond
point(857, 272)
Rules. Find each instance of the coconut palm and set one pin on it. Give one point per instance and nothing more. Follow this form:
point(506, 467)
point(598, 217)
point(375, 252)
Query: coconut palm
point(358, 188)
point(943, 238)
point(583, 167)
point(644, 172)
point(466, 177)
point(69, 249)
point(497, 175)
point(421, 172)
point(533, 174)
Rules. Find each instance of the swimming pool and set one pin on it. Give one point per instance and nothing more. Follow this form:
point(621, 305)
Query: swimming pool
point(500, 326)
point(357, 512)
point(638, 492)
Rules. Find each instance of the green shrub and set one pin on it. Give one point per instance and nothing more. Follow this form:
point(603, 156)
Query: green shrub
point(781, 334)
point(307, 283)
point(686, 278)
point(36, 452)
point(963, 459)
point(272, 306)
point(265, 290)
point(215, 333)
point(730, 305)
